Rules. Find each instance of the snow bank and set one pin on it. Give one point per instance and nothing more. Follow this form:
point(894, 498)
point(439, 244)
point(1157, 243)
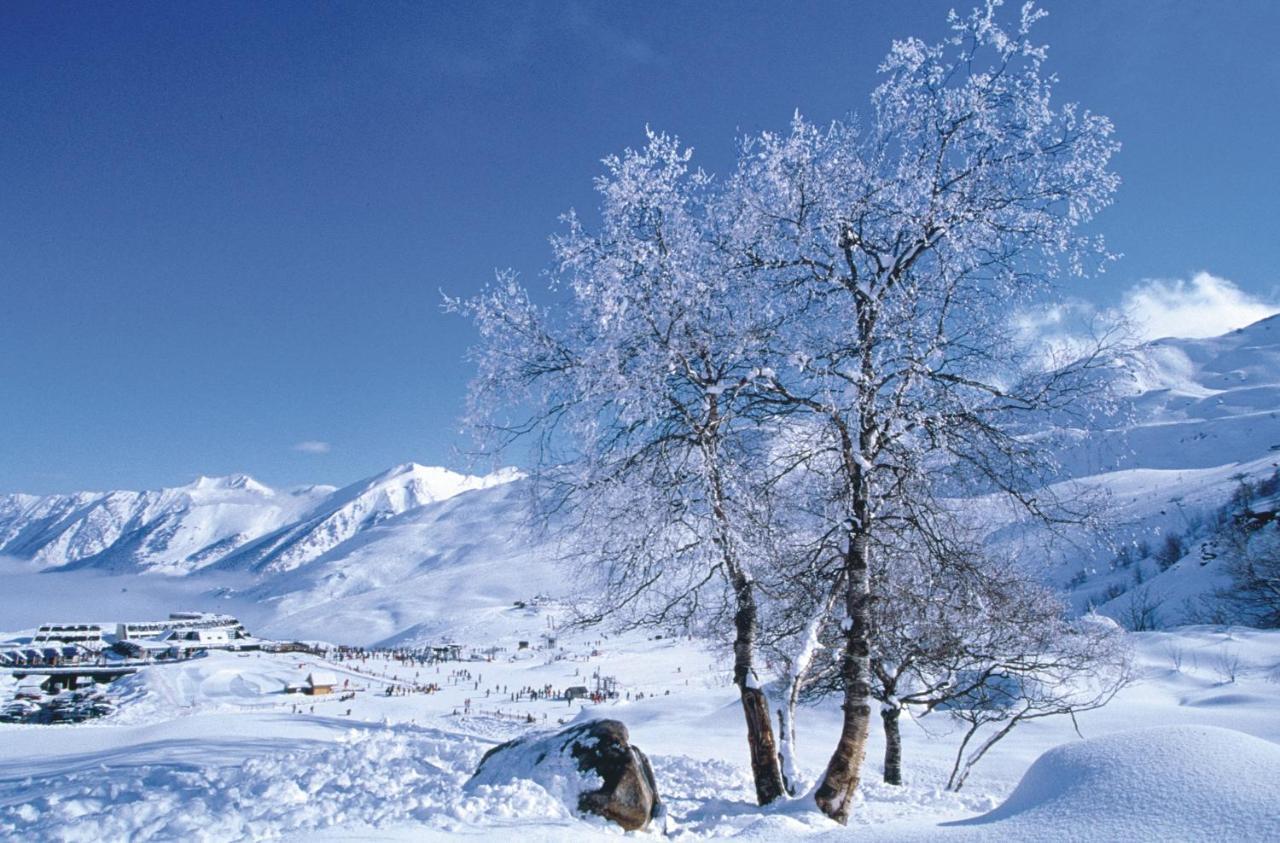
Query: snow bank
point(1171, 783)
point(368, 777)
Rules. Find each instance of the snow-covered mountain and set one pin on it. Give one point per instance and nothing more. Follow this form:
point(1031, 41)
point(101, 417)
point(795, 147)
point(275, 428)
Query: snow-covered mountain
point(348, 511)
point(174, 530)
point(1196, 419)
point(386, 557)
point(1190, 404)
point(227, 522)
point(452, 568)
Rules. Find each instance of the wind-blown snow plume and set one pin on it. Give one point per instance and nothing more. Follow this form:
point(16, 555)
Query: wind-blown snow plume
point(1205, 306)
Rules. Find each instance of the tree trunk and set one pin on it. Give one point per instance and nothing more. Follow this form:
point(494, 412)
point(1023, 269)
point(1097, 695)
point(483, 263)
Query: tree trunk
point(797, 675)
point(764, 752)
point(835, 794)
point(892, 745)
point(960, 773)
point(755, 706)
point(787, 711)
point(787, 743)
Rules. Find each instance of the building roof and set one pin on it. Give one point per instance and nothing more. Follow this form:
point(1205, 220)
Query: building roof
point(321, 677)
point(153, 646)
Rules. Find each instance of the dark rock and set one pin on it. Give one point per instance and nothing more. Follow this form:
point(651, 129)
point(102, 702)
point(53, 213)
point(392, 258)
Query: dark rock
point(628, 794)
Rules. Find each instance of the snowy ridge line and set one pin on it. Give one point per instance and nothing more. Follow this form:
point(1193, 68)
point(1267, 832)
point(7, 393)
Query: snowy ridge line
point(216, 522)
point(394, 557)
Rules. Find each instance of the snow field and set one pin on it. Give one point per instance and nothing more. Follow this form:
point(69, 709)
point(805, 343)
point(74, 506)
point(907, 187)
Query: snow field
point(211, 751)
point(365, 775)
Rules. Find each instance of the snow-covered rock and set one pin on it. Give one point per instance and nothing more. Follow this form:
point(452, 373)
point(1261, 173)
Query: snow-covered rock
point(591, 767)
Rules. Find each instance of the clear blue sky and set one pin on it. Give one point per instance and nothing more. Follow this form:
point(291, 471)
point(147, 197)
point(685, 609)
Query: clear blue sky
point(224, 226)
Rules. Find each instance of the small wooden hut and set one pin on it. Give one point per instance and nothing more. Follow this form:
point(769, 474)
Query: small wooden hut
point(320, 682)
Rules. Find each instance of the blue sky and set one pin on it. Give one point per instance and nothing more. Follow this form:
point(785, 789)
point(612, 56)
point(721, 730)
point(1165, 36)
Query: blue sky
point(224, 226)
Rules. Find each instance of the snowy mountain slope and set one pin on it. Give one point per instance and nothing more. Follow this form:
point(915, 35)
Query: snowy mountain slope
point(1181, 541)
point(221, 523)
point(450, 568)
point(1197, 418)
point(1146, 508)
point(174, 530)
point(1190, 404)
point(392, 556)
point(350, 510)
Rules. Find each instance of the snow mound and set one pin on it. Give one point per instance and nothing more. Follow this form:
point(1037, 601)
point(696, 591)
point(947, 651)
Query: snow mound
point(1169, 782)
point(215, 682)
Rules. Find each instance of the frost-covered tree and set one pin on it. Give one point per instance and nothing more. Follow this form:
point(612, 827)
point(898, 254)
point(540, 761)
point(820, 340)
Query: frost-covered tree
point(1057, 667)
point(839, 309)
point(636, 393)
point(963, 634)
point(900, 246)
point(948, 619)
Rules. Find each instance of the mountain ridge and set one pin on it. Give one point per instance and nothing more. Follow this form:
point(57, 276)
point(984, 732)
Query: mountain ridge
point(394, 550)
point(213, 520)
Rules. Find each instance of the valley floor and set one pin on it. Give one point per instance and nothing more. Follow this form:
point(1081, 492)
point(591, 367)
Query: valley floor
point(213, 750)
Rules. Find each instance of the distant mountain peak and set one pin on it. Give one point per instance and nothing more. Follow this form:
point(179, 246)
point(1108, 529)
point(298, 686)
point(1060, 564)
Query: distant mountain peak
point(231, 520)
point(419, 469)
point(437, 481)
point(230, 482)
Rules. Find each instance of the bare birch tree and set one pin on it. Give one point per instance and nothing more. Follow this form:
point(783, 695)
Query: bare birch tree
point(840, 308)
point(1054, 668)
point(635, 396)
point(901, 248)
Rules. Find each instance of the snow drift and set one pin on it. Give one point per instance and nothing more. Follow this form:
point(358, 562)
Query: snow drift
point(1170, 783)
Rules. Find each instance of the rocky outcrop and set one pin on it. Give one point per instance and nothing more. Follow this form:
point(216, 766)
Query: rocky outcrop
point(592, 766)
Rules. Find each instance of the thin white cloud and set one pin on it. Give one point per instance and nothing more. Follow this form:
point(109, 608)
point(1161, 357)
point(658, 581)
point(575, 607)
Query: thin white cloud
point(1205, 306)
point(1062, 331)
point(312, 446)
